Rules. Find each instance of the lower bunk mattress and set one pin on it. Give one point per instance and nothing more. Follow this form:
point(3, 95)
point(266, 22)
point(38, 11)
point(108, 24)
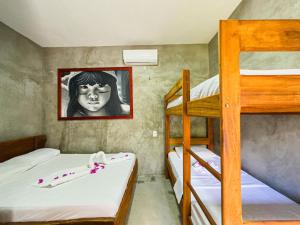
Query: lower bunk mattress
point(91, 196)
point(260, 202)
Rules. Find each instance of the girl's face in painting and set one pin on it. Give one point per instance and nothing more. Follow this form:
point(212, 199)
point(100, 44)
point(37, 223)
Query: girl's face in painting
point(94, 97)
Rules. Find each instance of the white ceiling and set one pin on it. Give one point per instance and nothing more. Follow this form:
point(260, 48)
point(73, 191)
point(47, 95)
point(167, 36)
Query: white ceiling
point(66, 23)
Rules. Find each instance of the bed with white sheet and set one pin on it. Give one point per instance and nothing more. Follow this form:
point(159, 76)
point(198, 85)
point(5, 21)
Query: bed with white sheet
point(260, 202)
point(93, 198)
point(210, 86)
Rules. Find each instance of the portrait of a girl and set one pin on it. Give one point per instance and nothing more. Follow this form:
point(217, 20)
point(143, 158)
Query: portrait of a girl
point(95, 94)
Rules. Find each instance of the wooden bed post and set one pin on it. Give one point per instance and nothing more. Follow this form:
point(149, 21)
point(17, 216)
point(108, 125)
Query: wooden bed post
point(230, 122)
point(210, 133)
point(186, 206)
point(167, 140)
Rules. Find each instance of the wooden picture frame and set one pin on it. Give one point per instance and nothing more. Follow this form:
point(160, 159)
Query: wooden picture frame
point(94, 93)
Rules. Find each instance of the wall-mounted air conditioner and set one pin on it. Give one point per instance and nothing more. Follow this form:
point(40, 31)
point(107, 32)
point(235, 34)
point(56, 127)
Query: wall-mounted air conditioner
point(140, 57)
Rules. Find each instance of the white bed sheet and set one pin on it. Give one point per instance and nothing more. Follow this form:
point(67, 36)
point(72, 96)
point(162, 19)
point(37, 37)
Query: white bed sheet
point(259, 203)
point(210, 86)
point(206, 179)
point(94, 195)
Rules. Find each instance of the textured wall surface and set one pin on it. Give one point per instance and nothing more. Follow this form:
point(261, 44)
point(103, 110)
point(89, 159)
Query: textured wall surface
point(150, 84)
point(21, 72)
point(270, 143)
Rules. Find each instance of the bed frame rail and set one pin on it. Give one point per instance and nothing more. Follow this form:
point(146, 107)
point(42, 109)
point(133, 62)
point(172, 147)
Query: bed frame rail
point(270, 94)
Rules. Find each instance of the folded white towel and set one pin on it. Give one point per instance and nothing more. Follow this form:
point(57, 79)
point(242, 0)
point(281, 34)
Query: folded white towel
point(100, 157)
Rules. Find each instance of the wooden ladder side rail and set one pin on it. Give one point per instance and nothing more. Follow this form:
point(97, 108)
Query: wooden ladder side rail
point(206, 165)
point(186, 201)
point(237, 36)
point(230, 122)
point(194, 141)
point(273, 222)
point(201, 204)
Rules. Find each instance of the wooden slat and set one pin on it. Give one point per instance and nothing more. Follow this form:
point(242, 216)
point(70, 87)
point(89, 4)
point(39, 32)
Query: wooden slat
point(206, 165)
point(175, 111)
point(207, 107)
point(174, 90)
point(204, 209)
point(270, 94)
point(186, 204)
point(173, 98)
point(269, 35)
point(194, 141)
point(273, 222)
point(230, 123)
point(210, 133)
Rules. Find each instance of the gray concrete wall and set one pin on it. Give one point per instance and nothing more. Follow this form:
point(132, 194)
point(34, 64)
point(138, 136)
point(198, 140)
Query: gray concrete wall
point(21, 72)
point(150, 84)
point(270, 143)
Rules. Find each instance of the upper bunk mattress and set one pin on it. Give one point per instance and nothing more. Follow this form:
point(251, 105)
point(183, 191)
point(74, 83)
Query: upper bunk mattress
point(90, 196)
point(211, 86)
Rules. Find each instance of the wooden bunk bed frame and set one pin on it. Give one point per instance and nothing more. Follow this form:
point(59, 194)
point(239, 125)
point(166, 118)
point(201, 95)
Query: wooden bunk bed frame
point(238, 94)
point(177, 110)
point(10, 149)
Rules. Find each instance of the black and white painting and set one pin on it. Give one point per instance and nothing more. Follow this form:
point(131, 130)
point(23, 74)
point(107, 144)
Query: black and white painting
point(95, 93)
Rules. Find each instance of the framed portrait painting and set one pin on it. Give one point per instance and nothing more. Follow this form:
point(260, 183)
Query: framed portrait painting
point(95, 93)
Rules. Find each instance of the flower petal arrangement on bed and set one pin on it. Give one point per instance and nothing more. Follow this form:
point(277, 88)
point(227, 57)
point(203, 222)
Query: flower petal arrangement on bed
point(97, 162)
point(93, 195)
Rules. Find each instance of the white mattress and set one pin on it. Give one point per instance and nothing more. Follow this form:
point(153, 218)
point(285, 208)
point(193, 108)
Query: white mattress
point(211, 86)
point(200, 179)
point(259, 203)
point(94, 195)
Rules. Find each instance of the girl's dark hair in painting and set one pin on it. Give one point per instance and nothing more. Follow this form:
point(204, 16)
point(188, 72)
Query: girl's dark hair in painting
point(113, 106)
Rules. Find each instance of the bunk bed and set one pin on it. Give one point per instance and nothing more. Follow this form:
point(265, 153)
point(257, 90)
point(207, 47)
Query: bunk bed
point(236, 93)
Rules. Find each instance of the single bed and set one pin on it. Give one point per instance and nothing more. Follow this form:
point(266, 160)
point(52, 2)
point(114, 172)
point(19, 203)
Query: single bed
point(260, 202)
point(101, 198)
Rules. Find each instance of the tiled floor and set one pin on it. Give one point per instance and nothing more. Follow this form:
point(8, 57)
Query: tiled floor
point(154, 203)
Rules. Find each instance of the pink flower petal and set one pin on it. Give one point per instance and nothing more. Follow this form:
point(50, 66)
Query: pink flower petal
point(40, 181)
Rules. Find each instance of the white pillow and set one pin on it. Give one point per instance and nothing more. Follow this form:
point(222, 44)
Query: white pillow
point(202, 152)
point(40, 155)
point(13, 166)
